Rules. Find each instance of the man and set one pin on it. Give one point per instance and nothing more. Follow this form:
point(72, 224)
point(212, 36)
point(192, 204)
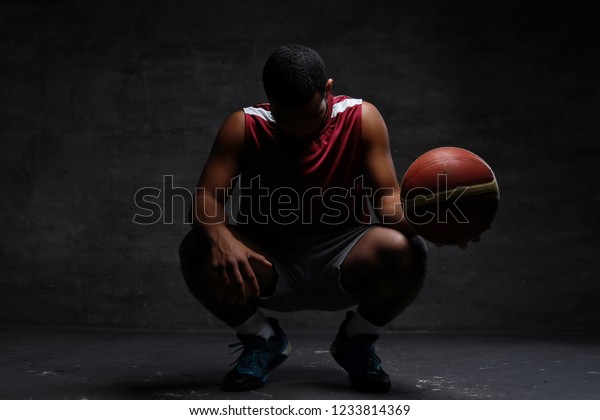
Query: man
point(305, 164)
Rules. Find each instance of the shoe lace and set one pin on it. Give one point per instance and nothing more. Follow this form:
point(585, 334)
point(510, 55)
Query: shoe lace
point(374, 360)
point(364, 348)
point(252, 356)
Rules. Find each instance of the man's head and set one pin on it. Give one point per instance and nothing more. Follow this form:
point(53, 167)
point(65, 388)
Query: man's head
point(292, 75)
point(295, 81)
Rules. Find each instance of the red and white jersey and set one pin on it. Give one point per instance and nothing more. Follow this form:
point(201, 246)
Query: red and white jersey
point(292, 187)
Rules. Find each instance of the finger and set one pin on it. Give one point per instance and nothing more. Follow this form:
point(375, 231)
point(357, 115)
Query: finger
point(256, 257)
point(237, 285)
point(221, 282)
point(226, 285)
point(251, 280)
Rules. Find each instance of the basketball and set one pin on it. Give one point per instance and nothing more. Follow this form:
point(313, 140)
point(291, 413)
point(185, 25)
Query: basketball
point(449, 195)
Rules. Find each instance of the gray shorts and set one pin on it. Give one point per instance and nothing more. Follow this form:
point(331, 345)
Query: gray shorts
point(308, 270)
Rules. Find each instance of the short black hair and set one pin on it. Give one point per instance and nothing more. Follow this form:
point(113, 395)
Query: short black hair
point(292, 75)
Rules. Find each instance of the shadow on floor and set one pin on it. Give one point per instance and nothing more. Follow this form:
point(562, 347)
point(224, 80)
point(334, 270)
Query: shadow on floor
point(143, 365)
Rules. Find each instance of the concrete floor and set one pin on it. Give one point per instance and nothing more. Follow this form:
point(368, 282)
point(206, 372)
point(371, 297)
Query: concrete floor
point(142, 364)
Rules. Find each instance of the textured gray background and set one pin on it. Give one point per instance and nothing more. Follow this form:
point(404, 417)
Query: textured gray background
point(100, 99)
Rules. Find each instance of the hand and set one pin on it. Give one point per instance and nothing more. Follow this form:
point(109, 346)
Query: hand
point(461, 245)
point(234, 278)
point(464, 245)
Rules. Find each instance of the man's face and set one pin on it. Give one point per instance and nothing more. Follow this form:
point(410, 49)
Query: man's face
point(301, 124)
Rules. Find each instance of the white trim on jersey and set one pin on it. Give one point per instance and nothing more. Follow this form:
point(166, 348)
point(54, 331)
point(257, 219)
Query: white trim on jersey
point(260, 112)
point(344, 105)
point(338, 108)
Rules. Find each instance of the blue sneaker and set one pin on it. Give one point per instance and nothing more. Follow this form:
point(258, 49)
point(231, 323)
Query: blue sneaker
point(258, 358)
point(357, 356)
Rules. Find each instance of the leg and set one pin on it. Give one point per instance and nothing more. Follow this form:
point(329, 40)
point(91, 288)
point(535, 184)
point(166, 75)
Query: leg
point(265, 345)
point(386, 269)
point(194, 254)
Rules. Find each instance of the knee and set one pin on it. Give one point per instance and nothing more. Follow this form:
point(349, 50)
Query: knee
point(193, 251)
point(194, 242)
point(404, 257)
point(419, 252)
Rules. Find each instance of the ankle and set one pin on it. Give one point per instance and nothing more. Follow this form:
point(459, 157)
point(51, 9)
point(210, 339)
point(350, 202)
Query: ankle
point(358, 325)
point(258, 325)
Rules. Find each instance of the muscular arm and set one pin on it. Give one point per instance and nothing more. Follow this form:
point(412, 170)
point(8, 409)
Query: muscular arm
point(221, 168)
point(380, 170)
point(234, 278)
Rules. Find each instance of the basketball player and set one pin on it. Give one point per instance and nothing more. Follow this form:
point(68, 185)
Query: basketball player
point(306, 164)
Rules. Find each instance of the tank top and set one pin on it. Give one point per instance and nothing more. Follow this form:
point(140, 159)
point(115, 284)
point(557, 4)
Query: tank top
point(291, 187)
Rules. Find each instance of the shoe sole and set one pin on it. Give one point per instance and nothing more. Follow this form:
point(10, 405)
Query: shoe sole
point(336, 356)
point(279, 359)
point(375, 388)
point(378, 388)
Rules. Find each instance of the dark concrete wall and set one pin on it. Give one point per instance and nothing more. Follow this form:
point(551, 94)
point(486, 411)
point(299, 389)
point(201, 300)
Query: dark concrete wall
point(100, 99)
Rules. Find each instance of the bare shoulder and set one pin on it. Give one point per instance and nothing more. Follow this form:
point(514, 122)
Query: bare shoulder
point(374, 130)
point(369, 110)
point(224, 158)
point(234, 127)
point(231, 134)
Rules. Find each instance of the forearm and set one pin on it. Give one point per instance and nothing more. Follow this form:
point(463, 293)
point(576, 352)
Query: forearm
point(391, 214)
point(209, 215)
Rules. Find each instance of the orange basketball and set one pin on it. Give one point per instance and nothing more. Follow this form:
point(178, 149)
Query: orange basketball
point(450, 195)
